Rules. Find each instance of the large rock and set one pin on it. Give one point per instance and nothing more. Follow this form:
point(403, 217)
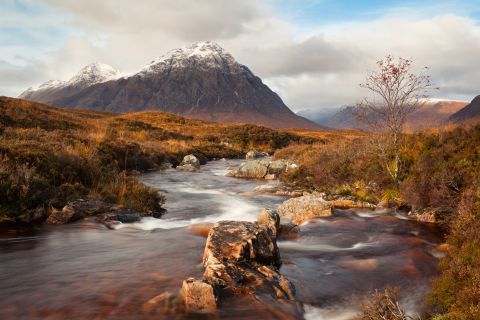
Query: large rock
point(280, 166)
point(198, 295)
point(262, 169)
point(306, 207)
point(189, 163)
point(243, 241)
point(242, 258)
point(256, 169)
point(76, 210)
point(106, 213)
point(254, 154)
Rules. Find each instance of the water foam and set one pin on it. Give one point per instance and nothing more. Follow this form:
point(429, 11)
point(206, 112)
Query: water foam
point(230, 208)
point(294, 245)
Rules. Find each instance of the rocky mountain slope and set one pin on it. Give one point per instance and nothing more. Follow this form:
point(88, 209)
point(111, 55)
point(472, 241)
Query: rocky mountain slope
point(200, 81)
point(469, 113)
point(432, 114)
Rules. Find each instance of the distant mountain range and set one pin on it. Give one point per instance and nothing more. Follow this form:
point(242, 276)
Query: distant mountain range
point(200, 81)
point(432, 114)
point(470, 113)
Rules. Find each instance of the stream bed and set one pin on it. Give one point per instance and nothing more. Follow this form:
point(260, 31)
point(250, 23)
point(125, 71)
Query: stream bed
point(85, 271)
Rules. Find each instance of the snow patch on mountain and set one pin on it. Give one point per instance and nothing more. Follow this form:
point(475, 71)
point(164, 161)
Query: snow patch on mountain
point(89, 75)
point(204, 54)
point(94, 73)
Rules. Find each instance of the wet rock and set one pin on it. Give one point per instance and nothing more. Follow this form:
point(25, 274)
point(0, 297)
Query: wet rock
point(128, 217)
point(235, 241)
point(279, 190)
point(200, 229)
point(305, 207)
point(386, 204)
point(266, 188)
point(280, 166)
point(189, 163)
point(254, 154)
point(164, 303)
point(166, 165)
point(76, 210)
point(241, 258)
point(289, 231)
point(261, 169)
point(251, 169)
point(198, 295)
point(346, 203)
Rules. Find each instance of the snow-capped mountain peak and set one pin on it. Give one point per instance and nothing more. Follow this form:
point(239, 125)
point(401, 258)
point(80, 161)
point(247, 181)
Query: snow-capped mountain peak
point(204, 54)
point(94, 73)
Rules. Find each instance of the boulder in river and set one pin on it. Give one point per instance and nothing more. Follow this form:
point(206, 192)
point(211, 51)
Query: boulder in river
point(251, 169)
point(198, 295)
point(280, 166)
point(262, 169)
point(254, 154)
point(306, 207)
point(241, 258)
point(189, 163)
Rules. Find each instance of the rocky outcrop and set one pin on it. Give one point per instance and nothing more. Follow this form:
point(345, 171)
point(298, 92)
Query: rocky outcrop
point(316, 205)
point(279, 190)
point(106, 213)
point(306, 207)
point(189, 163)
point(241, 259)
point(262, 169)
point(76, 210)
point(256, 169)
point(254, 154)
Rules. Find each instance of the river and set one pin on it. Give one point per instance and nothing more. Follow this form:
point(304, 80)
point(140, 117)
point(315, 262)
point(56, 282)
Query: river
point(86, 271)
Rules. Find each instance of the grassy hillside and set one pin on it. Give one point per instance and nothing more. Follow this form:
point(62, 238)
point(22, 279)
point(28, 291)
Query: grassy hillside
point(440, 175)
point(49, 156)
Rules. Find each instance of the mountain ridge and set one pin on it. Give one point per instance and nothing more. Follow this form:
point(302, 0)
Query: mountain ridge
point(200, 81)
point(432, 114)
point(471, 112)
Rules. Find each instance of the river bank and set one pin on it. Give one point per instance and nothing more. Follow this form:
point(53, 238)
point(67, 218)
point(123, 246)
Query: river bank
point(85, 270)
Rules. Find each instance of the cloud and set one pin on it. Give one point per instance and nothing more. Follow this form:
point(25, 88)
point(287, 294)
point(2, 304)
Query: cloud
point(14, 77)
point(317, 70)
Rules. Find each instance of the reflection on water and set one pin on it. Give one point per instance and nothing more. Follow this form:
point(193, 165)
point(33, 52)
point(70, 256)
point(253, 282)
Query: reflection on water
point(84, 270)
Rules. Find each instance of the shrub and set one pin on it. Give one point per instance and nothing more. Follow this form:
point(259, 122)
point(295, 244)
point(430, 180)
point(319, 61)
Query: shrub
point(383, 306)
point(456, 293)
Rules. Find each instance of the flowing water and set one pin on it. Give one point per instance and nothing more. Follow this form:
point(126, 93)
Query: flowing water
point(86, 271)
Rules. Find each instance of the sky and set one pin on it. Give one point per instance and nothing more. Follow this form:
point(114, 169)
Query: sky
point(313, 53)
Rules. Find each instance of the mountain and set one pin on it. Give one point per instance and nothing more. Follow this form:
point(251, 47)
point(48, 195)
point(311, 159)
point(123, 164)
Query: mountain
point(470, 112)
point(432, 114)
point(53, 90)
point(200, 81)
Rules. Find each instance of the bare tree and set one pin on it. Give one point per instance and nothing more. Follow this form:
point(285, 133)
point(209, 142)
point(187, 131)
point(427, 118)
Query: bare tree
point(397, 92)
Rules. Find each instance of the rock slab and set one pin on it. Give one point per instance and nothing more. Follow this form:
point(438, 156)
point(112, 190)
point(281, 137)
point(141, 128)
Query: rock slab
point(189, 163)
